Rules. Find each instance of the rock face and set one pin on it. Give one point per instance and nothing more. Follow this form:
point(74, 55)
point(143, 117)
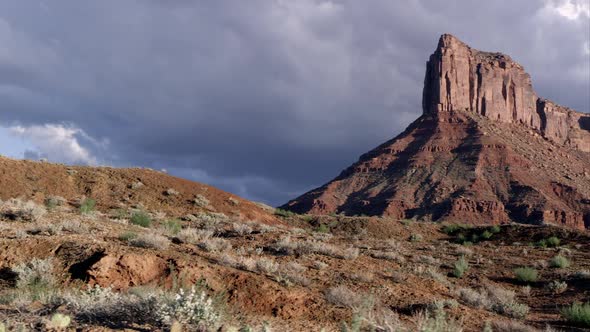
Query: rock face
point(485, 150)
point(493, 85)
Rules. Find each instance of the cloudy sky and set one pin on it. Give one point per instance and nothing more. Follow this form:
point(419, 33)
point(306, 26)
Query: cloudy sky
point(263, 98)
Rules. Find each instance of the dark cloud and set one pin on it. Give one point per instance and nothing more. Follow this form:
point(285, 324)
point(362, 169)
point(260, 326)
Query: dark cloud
point(266, 98)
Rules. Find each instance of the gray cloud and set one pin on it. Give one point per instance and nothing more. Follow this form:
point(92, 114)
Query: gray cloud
point(266, 98)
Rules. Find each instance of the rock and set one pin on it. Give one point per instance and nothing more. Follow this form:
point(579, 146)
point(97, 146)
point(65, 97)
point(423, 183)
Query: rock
point(127, 270)
point(493, 85)
point(471, 156)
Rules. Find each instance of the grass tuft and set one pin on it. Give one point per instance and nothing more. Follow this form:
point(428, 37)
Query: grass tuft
point(526, 274)
point(578, 314)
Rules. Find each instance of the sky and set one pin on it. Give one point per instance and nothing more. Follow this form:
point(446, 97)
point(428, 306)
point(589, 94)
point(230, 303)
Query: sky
point(263, 98)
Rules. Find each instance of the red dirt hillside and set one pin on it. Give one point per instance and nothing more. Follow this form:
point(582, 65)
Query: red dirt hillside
point(114, 188)
point(486, 150)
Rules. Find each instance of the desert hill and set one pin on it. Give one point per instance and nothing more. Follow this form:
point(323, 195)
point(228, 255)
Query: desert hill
point(485, 150)
point(115, 188)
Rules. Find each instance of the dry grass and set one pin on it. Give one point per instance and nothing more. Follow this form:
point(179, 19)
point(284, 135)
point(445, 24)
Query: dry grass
point(150, 240)
point(344, 297)
point(15, 209)
point(495, 299)
point(307, 247)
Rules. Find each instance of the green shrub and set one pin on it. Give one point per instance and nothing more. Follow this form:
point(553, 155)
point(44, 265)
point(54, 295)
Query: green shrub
point(173, 226)
point(486, 235)
point(526, 274)
point(283, 213)
point(553, 241)
point(452, 229)
point(323, 228)
point(495, 229)
point(141, 219)
point(87, 206)
point(541, 243)
point(559, 262)
point(578, 314)
point(461, 266)
point(127, 236)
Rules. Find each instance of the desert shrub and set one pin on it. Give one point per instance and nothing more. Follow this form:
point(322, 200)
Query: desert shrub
point(35, 274)
point(283, 213)
point(201, 201)
point(193, 235)
point(344, 297)
point(215, 244)
point(286, 246)
point(150, 240)
point(553, 241)
point(511, 326)
point(390, 256)
point(172, 226)
point(74, 226)
point(495, 229)
point(437, 322)
point(526, 274)
point(193, 308)
point(15, 209)
point(362, 276)
point(119, 214)
point(319, 265)
point(541, 243)
point(463, 251)
point(559, 262)
point(323, 228)
point(126, 236)
point(557, 287)
point(87, 206)
point(59, 322)
point(267, 266)
point(452, 229)
point(442, 304)
point(460, 267)
point(578, 314)
point(429, 260)
point(416, 237)
point(141, 218)
point(288, 278)
point(241, 229)
point(109, 308)
point(486, 235)
point(210, 220)
point(293, 267)
point(495, 299)
point(430, 272)
point(51, 202)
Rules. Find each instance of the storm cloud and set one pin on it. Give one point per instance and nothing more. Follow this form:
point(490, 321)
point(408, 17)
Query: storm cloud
point(266, 99)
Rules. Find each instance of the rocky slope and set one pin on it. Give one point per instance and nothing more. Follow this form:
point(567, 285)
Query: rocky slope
point(485, 150)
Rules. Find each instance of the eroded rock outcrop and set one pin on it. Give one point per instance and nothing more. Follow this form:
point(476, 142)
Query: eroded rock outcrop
point(487, 149)
point(459, 77)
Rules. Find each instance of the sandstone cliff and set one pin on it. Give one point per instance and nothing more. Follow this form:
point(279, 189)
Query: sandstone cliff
point(493, 85)
point(485, 150)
